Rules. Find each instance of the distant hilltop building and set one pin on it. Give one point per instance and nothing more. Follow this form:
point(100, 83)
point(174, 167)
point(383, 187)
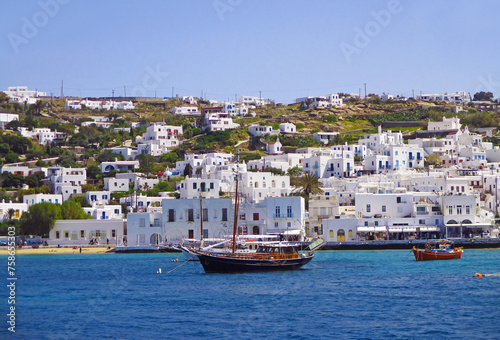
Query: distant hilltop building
point(249, 100)
point(327, 101)
point(446, 124)
point(21, 94)
point(457, 98)
point(99, 104)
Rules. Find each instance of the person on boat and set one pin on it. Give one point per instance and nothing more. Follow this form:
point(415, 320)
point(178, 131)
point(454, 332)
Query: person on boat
point(428, 246)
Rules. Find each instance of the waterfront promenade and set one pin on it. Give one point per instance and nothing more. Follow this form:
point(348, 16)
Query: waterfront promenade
point(467, 243)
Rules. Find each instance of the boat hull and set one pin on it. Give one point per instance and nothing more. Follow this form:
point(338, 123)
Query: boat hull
point(425, 255)
point(216, 264)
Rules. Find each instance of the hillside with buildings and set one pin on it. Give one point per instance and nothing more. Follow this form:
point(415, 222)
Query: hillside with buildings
point(337, 166)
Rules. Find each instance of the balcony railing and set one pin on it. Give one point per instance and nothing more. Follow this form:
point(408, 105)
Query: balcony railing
point(290, 215)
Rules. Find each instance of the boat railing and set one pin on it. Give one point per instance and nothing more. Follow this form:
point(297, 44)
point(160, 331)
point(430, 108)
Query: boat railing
point(257, 256)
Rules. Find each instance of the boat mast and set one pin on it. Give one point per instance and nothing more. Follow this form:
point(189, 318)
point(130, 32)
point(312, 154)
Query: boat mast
point(235, 227)
point(201, 221)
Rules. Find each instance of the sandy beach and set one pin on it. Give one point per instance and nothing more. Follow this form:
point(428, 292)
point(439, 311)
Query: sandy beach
point(56, 250)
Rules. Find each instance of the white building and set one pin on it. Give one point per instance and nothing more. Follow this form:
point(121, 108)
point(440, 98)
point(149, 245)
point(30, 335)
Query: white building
point(17, 210)
point(44, 135)
point(143, 183)
point(256, 186)
point(144, 228)
point(260, 130)
point(249, 100)
point(325, 137)
point(338, 162)
point(73, 104)
point(80, 232)
point(99, 197)
point(119, 166)
point(447, 124)
point(181, 218)
point(457, 98)
point(41, 198)
point(393, 157)
point(323, 101)
point(195, 187)
point(382, 139)
point(274, 148)
point(283, 162)
point(67, 181)
point(186, 111)
point(142, 203)
point(91, 104)
point(203, 161)
point(126, 151)
point(158, 139)
point(218, 121)
point(100, 211)
point(6, 118)
point(21, 170)
point(234, 109)
point(288, 128)
point(116, 184)
point(22, 94)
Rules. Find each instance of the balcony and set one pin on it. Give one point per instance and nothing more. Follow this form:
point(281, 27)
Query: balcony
point(290, 215)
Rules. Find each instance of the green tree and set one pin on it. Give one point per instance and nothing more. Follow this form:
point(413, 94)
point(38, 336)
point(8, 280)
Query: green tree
point(188, 170)
point(34, 180)
point(169, 157)
point(79, 139)
point(483, 96)
point(146, 163)
point(295, 171)
point(68, 159)
point(4, 99)
point(72, 210)
point(13, 181)
point(93, 171)
point(10, 213)
point(309, 185)
point(433, 159)
point(108, 156)
point(40, 218)
point(11, 157)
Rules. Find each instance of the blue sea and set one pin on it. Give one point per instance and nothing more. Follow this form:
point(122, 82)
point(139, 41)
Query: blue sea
point(340, 294)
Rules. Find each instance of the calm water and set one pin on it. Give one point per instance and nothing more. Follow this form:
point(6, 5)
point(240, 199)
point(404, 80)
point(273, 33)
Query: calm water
point(340, 294)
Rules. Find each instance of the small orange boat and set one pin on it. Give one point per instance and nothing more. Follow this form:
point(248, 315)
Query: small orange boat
point(444, 252)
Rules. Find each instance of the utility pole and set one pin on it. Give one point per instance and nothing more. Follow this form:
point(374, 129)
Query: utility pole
point(365, 90)
point(413, 93)
point(113, 93)
point(125, 91)
point(62, 88)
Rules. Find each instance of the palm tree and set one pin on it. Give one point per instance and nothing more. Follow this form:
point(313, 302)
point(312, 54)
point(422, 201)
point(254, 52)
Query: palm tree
point(10, 213)
point(309, 184)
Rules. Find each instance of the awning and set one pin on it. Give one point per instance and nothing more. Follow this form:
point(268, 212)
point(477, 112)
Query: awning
point(370, 229)
point(470, 225)
point(424, 229)
point(292, 232)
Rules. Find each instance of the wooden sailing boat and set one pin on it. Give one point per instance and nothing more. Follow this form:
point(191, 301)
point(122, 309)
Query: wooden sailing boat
point(270, 257)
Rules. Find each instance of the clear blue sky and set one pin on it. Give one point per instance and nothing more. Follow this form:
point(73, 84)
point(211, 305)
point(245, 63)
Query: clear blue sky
point(284, 48)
